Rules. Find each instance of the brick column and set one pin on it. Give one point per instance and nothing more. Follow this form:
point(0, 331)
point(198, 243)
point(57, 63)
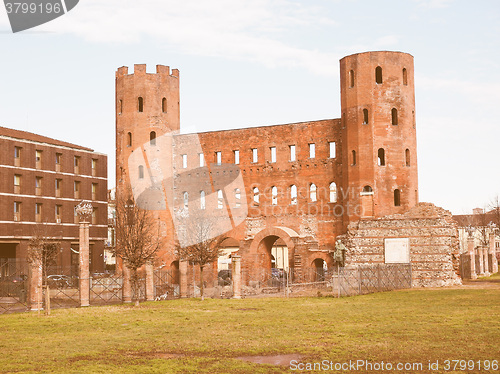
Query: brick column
point(493, 257)
point(480, 271)
point(486, 262)
point(183, 275)
point(127, 286)
point(36, 285)
point(150, 288)
point(236, 274)
point(470, 248)
point(84, 264)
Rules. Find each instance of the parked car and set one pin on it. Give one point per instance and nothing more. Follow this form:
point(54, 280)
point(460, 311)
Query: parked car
point(225, 277)
point(59, 281)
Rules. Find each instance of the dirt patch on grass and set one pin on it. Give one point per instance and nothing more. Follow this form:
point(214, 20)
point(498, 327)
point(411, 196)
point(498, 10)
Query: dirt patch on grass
point(277, 360)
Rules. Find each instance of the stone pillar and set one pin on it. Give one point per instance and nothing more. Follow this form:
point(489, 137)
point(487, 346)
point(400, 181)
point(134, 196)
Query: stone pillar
point(84, 264)
point(470, 248)
point(36, 285)
point(150, 287)
point(493, 256)
point(480, 271)
point(485, 261)
point(127, 286)
point(236, 274)
point(183, 278)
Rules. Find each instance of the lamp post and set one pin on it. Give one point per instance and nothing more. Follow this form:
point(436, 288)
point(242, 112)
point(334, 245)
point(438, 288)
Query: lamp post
point(84, 211)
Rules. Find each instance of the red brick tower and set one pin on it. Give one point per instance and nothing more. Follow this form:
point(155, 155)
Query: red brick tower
point(378, 132)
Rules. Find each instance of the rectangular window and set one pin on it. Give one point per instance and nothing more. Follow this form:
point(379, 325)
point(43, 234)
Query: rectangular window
point(38, 186)
point(332, 149)
point(202, 159)
point(292, 153)
point(58, 187)
point(17, 156)
point(38, 159)
point(58, 161)
point(58, 213)
point(77, 164)
point(38, 212)
point(184, 161)
point(76, 219)
point(218, 158)
point(17, 183)
point(94, 167)
point(273, 154)
point(236, 157)
point(312, 150)
point(17, 211)
point(76, 190)
point(94, 216)
point(94, 191)
point(255, 155)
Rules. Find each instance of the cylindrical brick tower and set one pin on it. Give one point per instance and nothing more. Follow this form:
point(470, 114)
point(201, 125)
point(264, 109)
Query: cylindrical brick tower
point(379, 147)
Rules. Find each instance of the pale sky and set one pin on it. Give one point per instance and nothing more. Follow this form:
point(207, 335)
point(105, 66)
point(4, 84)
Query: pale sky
point(265, 62)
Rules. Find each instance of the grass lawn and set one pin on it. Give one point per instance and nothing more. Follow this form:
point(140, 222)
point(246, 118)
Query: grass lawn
point(190, 336)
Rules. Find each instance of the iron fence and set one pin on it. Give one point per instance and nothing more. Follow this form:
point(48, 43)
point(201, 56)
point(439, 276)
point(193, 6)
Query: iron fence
point(14, 286)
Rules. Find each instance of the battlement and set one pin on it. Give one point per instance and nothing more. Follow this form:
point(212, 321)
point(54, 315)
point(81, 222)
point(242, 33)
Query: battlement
point(140, 69)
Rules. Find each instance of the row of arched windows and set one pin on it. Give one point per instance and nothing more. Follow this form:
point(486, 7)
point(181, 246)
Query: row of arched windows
point(368, 190)
point(152, 138)
point(140, 105)
point(381, 161)
point(378, 76)
point(394, 116)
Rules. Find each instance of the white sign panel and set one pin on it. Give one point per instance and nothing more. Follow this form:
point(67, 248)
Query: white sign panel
point(397, 250)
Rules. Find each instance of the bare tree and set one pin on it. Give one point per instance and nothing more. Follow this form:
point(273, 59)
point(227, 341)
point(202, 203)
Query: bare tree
point(198, 241)
point(495, 210)
point(42, 249)
point(137, 238)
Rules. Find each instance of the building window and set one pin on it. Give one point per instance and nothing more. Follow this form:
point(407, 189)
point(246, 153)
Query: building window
point(365, 116)
point(152, 138)
point(255, 155)
point(76, 189)
point(17, 211)
point(76, 218)
point(353, 158)
point(129, 139)
point(367, 189)
point(273, 154)
point(184, 161)
point(312, 193)
point(407, 157)
point(274, 195)
point(293, 194)
point(333, 192)
point(202, 199)
point(17, 156)
point(312, 150)
point(140, 104)
point(397, 197)
point(58, 161)
point(38, 212)
point(394, 113)
point(38, 186)
point(236, 157)
point(58, 187)
point(17, 183)
point(237, 198)
point(292, 153)
point(405, 77)
point(58, 213)
point(164, 105)
point(333, 149)
point(185, 198)
point(381, 157)
point(378, 75)
point(256, 196)
point(38, 159)
point(141, 172)
point(77, 164)
point(94, 191)
point(201, 157)
point(351, 78)
point(120, 107)
point(218, 157)
point(220, 199)
point(94, 167)
point(94, 216)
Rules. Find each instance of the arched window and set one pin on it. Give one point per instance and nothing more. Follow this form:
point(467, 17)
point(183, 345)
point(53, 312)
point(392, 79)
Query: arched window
point(120, 107)
point(333, 192)
point(351, 78)
point(312, 192)
point(394, 113)
point(185, 197)
point(407, 157)
point(237, 198)
point(378, 75)
point(293, 194)
point(353, 158)
point(220, 199)
point(397, 197)
point(367, 189)
point(140, 104)
point(256, 195)
point(129, 139)
point(141, 172)
point(274, 195)
point(405, 77)
point(164, 105)
point(202, 199)
point(152, 138)
point(365, 116)
point(381, 157)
